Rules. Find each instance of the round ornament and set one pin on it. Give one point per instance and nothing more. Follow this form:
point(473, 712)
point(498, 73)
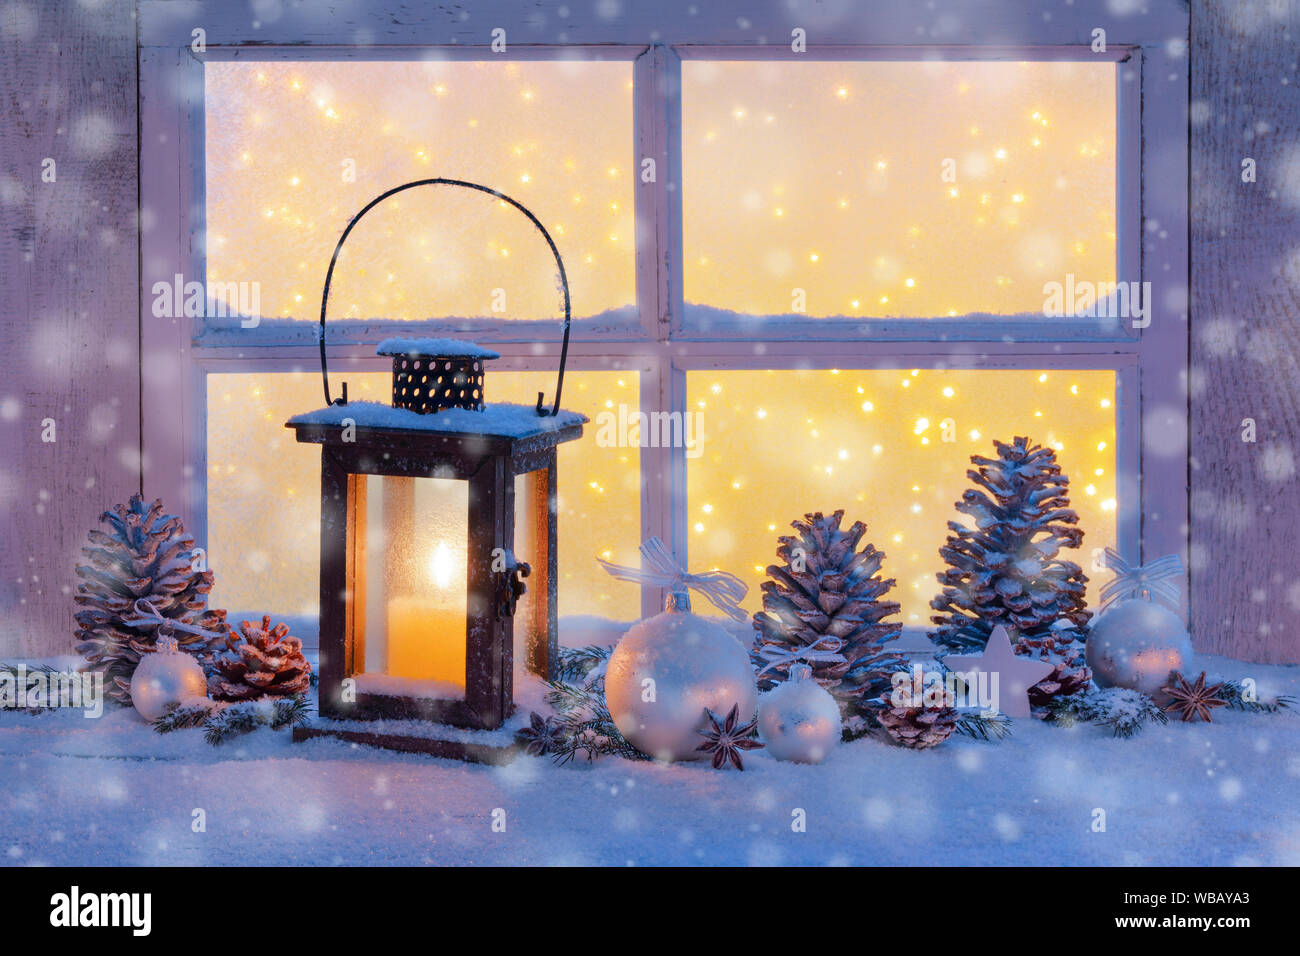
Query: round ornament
point(798, 719)
point(1135, 644)
point(164, 679)
point(666, 671)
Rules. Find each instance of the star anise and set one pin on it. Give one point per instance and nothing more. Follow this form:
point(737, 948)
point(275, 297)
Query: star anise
point(1192, 701)
point(726, 740)
point(541, 737)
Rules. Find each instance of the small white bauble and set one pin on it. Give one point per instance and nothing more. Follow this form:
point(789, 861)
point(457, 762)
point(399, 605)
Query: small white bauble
point(666, 671)
point(1135, 644)
point(164, 679)
point(799, 720)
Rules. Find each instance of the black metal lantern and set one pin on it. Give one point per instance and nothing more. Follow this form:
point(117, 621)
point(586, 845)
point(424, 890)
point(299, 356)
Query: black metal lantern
point(422, 579)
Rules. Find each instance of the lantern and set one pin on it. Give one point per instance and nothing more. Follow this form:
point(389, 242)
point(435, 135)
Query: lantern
point(422, 580)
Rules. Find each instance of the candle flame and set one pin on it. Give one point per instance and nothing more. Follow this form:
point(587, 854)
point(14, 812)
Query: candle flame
point(440, 565)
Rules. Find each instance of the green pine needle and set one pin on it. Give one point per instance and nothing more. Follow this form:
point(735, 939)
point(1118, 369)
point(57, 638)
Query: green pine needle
point(982, 727)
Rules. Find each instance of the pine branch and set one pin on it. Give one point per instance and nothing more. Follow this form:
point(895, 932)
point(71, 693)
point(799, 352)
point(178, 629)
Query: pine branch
point(1124, 711)
point(231, 722)
point(11, 671)
point(576, 663)
point(585, 723)
point(1234, 695)
point(223, 721)
point(981, 727)
point(290, 711)
point(184, 717)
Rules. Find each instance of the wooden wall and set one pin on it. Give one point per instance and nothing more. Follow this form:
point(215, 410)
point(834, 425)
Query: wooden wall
point(1245, 348)
point(69, 336)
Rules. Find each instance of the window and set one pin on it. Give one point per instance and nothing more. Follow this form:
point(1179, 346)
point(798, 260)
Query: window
point(832, 267)
point(900, 188)
point(294, 149)
point(890, 447)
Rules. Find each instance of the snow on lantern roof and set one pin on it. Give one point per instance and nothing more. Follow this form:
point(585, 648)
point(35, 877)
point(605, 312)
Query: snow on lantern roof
point(500, 419)
point(449, 348)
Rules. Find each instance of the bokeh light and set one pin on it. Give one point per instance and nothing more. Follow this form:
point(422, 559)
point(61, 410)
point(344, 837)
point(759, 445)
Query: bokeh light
point(283, 138)
point(830, 177)
point(779, 444)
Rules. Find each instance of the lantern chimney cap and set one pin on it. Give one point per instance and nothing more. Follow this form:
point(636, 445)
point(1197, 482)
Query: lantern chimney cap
point(435, 348)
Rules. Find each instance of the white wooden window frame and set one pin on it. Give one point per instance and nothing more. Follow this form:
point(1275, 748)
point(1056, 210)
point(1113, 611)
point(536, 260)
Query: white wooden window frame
point(1151, 109)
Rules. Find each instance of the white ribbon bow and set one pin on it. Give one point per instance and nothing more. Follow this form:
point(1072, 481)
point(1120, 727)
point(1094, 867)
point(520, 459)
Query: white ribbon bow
point(724, 590)
point(1156, 578)
point(146, 613)
point(777, 656)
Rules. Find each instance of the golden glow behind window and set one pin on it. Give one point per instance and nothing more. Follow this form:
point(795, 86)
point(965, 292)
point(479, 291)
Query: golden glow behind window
point(296, 149)
point(778, 444)
point(264, 489)
point(830, 178)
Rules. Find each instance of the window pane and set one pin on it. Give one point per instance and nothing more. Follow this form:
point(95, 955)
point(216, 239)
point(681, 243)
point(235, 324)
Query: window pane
point(296, 149)
point(264, 489)
point(830, 178)
point(778, 444)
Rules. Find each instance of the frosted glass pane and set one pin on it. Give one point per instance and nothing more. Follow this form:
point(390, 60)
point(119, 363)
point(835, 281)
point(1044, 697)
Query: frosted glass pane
point(834, 179)
point(264, 489)
point(294, 150)
point(411, 598)
point(778, 444)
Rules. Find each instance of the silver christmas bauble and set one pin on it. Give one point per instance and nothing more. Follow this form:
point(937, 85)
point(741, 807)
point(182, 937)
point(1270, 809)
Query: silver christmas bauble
point(165, 678)
point(665, 672)
point(799, 721)
point(1135, 644)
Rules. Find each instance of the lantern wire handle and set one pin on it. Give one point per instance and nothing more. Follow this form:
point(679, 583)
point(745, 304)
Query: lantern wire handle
point(564, 282)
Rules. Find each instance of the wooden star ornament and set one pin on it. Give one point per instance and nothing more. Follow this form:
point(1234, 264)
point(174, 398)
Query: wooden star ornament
point(1192, 701)
point(1010, 676)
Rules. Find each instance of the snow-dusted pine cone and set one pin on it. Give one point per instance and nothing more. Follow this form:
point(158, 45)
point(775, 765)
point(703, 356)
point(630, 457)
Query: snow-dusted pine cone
point(143, 560)
point(918, 727)
point(1006, 567)
point(262, 662)
point(1070, 676)
point(829, 587)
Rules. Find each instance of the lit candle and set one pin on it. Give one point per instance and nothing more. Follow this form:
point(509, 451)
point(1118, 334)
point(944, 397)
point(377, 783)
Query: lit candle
point(426, 632)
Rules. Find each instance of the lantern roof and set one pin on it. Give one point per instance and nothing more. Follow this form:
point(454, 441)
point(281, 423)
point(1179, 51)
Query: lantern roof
point(445, 348)
point(500, 419)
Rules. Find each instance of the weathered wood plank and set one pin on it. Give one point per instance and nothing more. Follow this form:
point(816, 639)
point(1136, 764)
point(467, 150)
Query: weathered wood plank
point(69, 346)
point(1245, 356)
point(171, 22)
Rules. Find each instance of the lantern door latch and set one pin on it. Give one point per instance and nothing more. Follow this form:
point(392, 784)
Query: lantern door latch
point(510, 585)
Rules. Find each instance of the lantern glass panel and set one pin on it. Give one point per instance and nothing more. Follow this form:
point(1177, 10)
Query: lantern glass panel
point(409, 600)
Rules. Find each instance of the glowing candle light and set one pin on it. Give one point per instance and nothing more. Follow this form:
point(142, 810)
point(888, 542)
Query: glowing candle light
point(426, 631)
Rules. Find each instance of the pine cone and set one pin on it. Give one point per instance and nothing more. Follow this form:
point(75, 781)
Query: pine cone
point(918, 727)
point(1005, 570)
point(1070, 676)
point(144, 555)
point(827, 587)
point(263, 662)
